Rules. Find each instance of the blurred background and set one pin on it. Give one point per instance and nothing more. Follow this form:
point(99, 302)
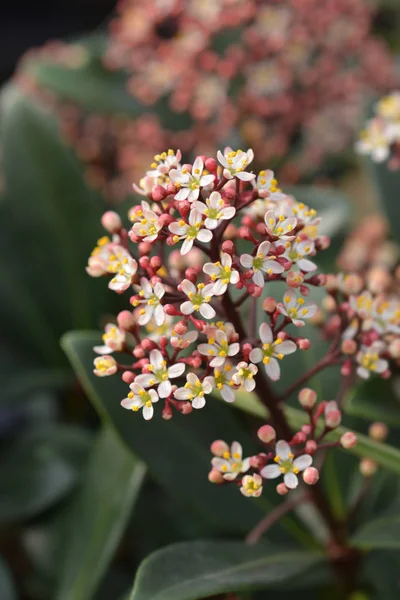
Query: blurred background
point(90, 92)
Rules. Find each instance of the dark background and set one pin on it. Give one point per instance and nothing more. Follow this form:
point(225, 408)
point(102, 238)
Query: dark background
point(30, 23)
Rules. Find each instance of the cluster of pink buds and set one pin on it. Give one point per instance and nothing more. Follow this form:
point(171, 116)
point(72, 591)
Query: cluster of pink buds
point(381, 137)
point(202, 250)
point(281, 458)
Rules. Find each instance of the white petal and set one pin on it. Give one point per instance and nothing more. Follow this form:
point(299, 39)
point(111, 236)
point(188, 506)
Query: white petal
point(291, 480)
point(306, 265)
point(127, 403)
point(256, 355)
point(145, 380)
point(148, 412)
point(263, 248)
point(207, 311)
point(282, 449)
point(182, 194)
point(156, 359)
point(204, 235)
point(246, 261)
point(211, 223)
point(258, 278)
point(176, 370)
point(198, 402)
point(228, 212)
point(273, 369)
point(245, 176)
point(233, 349)
point(271, 472)
point(186, 246)
point(219, 288)
point(164, 389)
point(159, 315)
point(265, 332)
point(303, 461)
point(273, 265)
point(188, 287)
point(227, 393)
point(236, 448)
point(187, 308)
point(182, 393)
point(287, 347)
point(249, 385)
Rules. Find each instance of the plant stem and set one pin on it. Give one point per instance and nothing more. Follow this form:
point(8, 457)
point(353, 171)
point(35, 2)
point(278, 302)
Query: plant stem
point(279, 511)
point(327, 361)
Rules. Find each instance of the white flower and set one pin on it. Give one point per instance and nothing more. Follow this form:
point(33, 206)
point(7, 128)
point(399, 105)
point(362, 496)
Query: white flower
point(295, 308)
point(362, 304)
point(286, 466)
point(136, 213)
point(271, 351)
point(375, 140)
point(251, 485)
point(195, 390)
point(230, 464)
point(150, 296)
point(139, 398)
point(184, 340)
point(190, 182)
point(164, 162)
point(369, 360)
point(199, 299)
point(235, 163)
point(244, 375)
point(193, 230)
point(219, 348)
point(222, 273)
point(159, 374)
point(386, 316)
point(280, 226)
point(267, 186)
point(261, 263)
point(148, 227)
point(113, 338)
point(145, 187)
point(223, 381)
point(104, 366)
point(215, 210)
point(124, 267)
point(303, 213)
point(297, 250)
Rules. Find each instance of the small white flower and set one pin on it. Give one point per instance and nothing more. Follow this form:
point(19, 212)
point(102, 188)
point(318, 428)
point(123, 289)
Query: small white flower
point(125, 268)
point(261, 263)
point(215, 210)
point(223, 381)
point(194, 390)
point(139, 398)
point(251, 486)
point(267, 186)
point(369, 360)
point(297, 250)
point(375, 140)
point(150, 296)
point(193, 230)
point(159, 374)
point(386, 316)
point(199, 299)
point(230, 464)
point(286, 466)
point(164, 162)
point(271, 351)
point(222, 273)
point(362, 304)
point(244, 375)
point(148, 227)
point(145, 187)
point(235, 163)
point(219, 348)
point(99, 261)
point(184, 340)
point(190, 182)
point(295, 308)
point(104, 366)
point(279, 225)
point(113, 338)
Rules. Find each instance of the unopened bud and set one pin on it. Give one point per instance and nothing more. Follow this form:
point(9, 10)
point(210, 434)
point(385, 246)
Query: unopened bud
point(158, 193)
point(349, 347)
point(282, 489)
point(307, 398)
point(229, 247)
point(186, 408)
point(211, 165)
point(266, 434)
point(348, 440)
point(128, 377)
point(258, 461)
point(215, 476)
point(378, 431)
point(138, 352)
point(303, 343)
point(111, 222)
point(269, 304)
point(329, 303)
point(345, 369)
point(368, 467)
point(311, 447)
point(333, 418)
point(171, 310)
point(304, 290)
point(126, 320)
point(310, 476)
point(191, 274)
point(298, 438)
point(219, 447)
point(181, 327)
point(148, 345)
point(144, 248)
point(167, 412)
point(294, 280)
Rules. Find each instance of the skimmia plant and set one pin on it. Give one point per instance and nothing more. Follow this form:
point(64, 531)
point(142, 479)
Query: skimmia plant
point(200, 259)
point(381, 136)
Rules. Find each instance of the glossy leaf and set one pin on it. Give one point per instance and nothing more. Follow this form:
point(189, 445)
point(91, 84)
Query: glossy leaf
point(375, 400)
point(213, 567)
point(381, 533)
point(98, 516)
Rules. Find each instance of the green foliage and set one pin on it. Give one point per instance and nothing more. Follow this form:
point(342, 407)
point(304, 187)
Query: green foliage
point(98, 516)
point(208, 568)
point(7, 591)
point(387, 184)
point(375, 400)
point(382, 533)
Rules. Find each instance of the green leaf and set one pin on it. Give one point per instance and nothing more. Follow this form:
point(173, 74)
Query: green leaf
point(7, 590)
point(382, 533)
point(195, 570)
point(39, 469)
point(98, 516)
point(387, 184)
point(387, 456)
point(375, 400)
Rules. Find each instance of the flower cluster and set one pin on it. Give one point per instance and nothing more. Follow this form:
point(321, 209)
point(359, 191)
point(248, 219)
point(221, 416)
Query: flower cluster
point(203, 246)
point(281, 459)
point(381, 137)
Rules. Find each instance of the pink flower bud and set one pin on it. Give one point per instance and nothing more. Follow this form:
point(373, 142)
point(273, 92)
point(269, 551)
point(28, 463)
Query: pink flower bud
point(294, 280)
point(298, 438)
point(368, 467)
point(258, 461)
point(304, 290)
point(211, 165)
point(171, 189)
point(282, 489)
point(310, 476)
point(303, 343)
point(186, 408)
point(138, 352)
point(333, 418)
point(181, 327)
point(144, 248)
point(307, 398)
point(349, 347)
point(219, 447)
point(166, 219)
point(324, 242)
point(266, 434)
point(111, 222)
point(191, 274)
point(348, 440)
point(256, 291)
point(155, 263)
point(128, 377)
point(158, 193)
point(171, 310)
point(378, 431)
point(167, 412)
point(229, 247)
point(126, 320)
point(329, 304)
point(269, 304)
point(318, 280)
point(345, 369)
point(148, 345)
point(311, 447)
point(306, 428)
point(215, 476)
